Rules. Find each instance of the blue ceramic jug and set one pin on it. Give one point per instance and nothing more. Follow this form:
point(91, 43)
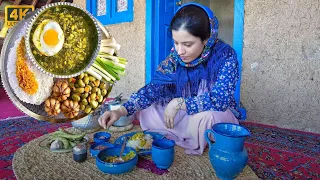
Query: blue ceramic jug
point(227, 154)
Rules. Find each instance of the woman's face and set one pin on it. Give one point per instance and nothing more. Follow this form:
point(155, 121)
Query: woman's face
point(189, 47)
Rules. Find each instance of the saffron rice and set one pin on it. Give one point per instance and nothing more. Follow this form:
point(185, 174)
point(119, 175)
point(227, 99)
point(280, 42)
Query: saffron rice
point(28, 83)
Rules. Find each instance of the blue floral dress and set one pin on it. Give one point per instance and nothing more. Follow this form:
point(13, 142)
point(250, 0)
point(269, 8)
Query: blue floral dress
point(219, 98)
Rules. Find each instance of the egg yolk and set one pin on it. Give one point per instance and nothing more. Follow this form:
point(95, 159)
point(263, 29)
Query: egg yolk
point(50, 37)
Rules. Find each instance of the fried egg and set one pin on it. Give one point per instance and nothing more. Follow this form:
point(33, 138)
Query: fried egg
point(48, 37)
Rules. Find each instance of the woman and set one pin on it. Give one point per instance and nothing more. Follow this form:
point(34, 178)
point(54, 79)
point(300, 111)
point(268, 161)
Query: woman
point(193, 88)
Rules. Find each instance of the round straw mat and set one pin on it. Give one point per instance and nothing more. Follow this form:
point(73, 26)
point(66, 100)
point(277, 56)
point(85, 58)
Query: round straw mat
point(34, 162)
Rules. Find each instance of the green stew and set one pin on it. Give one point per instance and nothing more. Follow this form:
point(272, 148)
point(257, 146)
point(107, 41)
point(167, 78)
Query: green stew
point(81, 39)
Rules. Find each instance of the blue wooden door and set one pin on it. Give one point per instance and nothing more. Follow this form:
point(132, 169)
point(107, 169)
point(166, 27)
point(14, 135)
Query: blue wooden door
point(158, 36)
point(165, 10)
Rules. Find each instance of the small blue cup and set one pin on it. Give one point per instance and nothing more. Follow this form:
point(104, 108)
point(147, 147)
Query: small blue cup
point(163, 153)
point(100, 137)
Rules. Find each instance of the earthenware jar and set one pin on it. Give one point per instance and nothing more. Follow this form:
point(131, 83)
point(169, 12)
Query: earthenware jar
point(227, 154)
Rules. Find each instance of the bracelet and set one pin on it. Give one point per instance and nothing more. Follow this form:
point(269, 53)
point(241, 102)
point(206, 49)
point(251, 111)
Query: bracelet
point(180, 102)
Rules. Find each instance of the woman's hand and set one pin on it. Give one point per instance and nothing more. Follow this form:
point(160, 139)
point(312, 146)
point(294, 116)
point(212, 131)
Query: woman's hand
point(170, 112)
point(109, 117)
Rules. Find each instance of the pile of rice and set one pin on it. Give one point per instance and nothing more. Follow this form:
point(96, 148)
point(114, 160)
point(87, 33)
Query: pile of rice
point(44, 82)
point(136, 143)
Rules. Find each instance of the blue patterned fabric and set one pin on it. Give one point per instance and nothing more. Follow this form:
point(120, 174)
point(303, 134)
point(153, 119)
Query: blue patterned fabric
point(207, 83)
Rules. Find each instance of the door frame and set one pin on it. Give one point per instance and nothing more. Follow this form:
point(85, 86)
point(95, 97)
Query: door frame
point(151, 30)
point(150, 38)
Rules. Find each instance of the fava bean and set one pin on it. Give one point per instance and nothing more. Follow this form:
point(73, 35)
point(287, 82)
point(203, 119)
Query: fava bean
point(104, 92)
point(91, 84)
point(86, 80)
point(71, 85)
point(98, 92)
point(93, 96)
point(84, 102)
point(76, 97)
point(102, 85)
point(97, 83)
point(82, 107)
point(80, 90)
point(91, 78)
point(94, 104)
point(88, 110)
point(87, 88)
point(81, 75)
point(100, 98)
point(94, 89)
point(81, 83)
point(84, 95)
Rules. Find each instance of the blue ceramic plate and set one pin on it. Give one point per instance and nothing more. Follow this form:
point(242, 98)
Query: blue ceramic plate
point(142, 152)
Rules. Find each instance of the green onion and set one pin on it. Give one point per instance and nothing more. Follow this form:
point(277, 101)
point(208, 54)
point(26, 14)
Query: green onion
point(93, 73)
point(104, 73)
point(108, 69)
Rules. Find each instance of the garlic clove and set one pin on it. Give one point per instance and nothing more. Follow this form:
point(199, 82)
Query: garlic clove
point(52, 102)
point(47, 103)
point(66, 103)
point(64, 85)
point(67, 91)
point(71, 104)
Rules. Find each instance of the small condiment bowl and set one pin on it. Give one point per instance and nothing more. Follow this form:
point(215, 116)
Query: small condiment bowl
point(93, 148)
point(101, 137)
point(119, 167)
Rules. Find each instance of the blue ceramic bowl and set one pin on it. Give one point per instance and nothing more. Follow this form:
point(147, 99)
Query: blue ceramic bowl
point(115, 168)
point(94, 147)
point(101, 137)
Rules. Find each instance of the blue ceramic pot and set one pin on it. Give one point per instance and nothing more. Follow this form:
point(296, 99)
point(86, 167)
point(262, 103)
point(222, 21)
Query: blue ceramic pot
point(227, 154)
point(162, 153)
